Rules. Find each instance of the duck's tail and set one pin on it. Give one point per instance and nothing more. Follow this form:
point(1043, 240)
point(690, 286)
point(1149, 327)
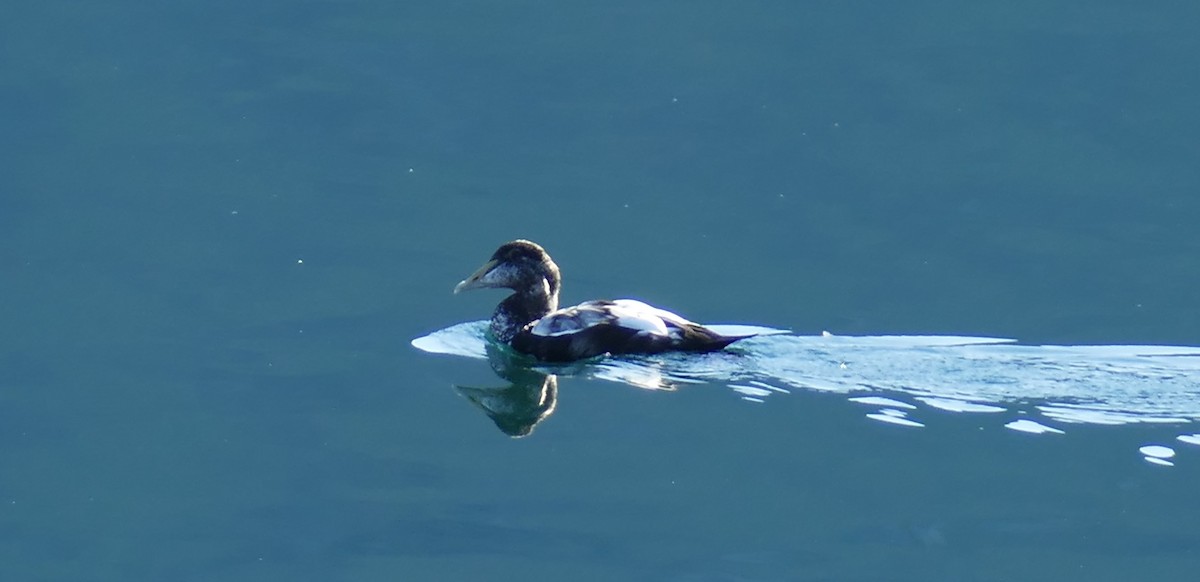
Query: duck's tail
point(697, 338)
point(718, 337)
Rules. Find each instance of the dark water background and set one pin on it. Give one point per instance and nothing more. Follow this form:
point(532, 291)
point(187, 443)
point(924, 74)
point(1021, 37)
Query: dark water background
point(222, 222)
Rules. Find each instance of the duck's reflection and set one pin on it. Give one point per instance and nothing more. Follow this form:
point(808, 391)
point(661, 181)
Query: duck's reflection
point(532, 393)
point(530, 397)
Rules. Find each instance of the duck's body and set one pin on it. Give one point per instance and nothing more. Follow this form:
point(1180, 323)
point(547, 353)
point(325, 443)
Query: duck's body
point(529, 320)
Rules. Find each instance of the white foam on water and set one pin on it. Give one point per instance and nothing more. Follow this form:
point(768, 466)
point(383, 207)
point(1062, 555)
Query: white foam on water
point(954, 405)
point(881, 401)
point(639, 376)
point(750, 390)
point(1029, 426)
point(465, 339)
point(1191, 439)
point(1157, 451)
point(728, 329)
point(893, 412)
point(770, 387)
point(1158, 461)
point(909, 341)
point(1075, 413)
point(894, 420)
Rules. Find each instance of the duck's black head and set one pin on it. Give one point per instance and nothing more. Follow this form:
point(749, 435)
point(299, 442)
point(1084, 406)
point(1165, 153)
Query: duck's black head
point(524, 267)
point(520, 265)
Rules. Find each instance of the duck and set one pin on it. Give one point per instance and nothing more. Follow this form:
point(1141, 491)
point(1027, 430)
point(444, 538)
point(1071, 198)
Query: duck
point(531, 323)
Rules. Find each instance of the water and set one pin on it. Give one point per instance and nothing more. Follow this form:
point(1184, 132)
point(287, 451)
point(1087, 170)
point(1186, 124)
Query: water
point(221, 226)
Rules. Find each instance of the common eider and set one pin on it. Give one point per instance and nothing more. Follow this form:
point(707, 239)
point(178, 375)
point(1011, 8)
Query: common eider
point(530, 321)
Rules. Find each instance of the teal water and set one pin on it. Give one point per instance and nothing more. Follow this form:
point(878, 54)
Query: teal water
point(222, 224)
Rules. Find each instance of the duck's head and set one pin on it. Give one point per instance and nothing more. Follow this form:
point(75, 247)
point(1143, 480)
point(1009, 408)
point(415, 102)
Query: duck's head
point(520, 265)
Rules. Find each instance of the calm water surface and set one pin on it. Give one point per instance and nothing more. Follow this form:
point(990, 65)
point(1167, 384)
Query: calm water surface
point(221, 225)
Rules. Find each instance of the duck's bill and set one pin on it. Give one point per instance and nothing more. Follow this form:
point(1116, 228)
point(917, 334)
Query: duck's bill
point(477, 280)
